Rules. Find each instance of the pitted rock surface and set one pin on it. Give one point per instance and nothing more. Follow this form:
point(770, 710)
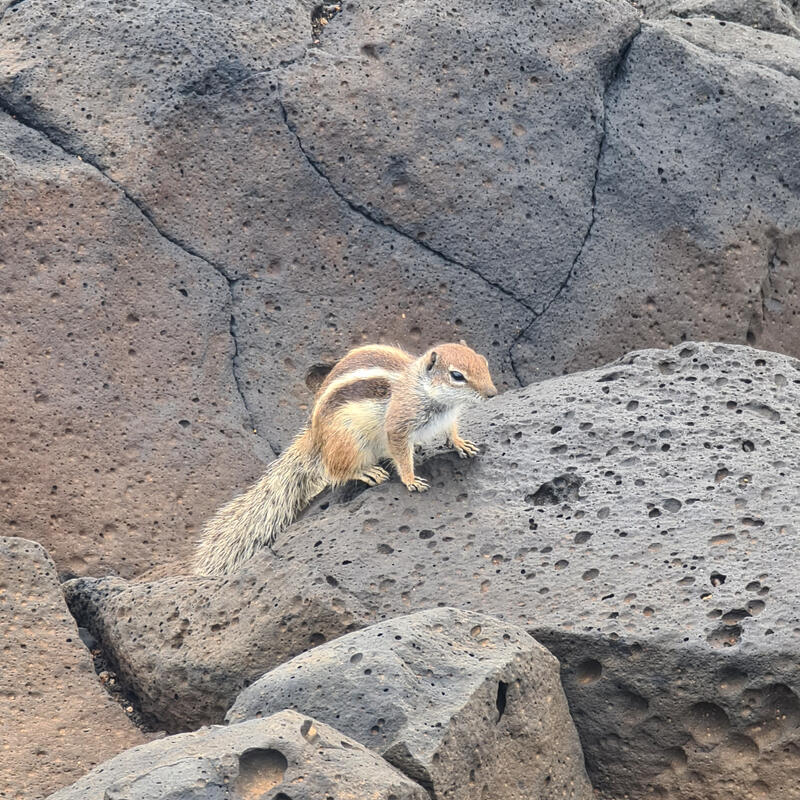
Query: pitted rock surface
point(58, 722)
point(206, 138)
point(765, 49)
point(284, 757)
point(237, 208)
point(694, 230)
point(120, 419)
point(469, 706)
point(778, 16)
point(186, 646)
point(493, 87)
point(640, 521)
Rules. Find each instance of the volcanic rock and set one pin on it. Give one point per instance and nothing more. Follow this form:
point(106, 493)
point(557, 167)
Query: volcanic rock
point(638, 520)
point(58, 721)
point(468, 706)
point(186, 646)
point(284, 756)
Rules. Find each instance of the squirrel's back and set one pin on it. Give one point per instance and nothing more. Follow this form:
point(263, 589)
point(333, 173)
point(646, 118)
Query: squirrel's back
point(371, 356)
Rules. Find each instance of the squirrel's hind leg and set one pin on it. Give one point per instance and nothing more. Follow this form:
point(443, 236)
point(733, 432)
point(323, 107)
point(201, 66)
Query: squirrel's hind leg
point(346, 459)
point(353, 444)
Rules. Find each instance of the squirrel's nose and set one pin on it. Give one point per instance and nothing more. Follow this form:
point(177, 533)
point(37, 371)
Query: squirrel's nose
point(491, 392)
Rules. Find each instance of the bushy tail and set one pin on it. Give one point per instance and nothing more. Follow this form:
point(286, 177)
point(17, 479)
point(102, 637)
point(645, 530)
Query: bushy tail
point(254, 519)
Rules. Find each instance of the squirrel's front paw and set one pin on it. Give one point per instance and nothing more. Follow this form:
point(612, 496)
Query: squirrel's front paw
point(418, 485)
point(466, 449)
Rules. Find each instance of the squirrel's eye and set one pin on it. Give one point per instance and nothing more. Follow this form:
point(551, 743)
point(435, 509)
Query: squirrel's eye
point(456, 375)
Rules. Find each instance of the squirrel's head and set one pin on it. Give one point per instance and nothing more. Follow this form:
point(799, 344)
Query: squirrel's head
point(457, 375)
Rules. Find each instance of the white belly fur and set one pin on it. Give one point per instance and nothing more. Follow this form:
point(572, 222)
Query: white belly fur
point(438, 425)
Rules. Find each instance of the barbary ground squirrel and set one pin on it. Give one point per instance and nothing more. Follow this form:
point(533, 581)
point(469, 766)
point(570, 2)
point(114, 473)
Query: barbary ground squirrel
point(375, 404)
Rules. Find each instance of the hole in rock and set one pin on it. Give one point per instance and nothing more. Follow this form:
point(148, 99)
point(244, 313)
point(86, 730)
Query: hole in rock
point(707, 723)
point(735, 615)
point(309, 731)
point(259, 771)
point(611, 376)
point(725, 636)
point(321, 16)
point(316, 375)
point(589, 671)
point(500, 702)
point(756, 606)
point(561, 489)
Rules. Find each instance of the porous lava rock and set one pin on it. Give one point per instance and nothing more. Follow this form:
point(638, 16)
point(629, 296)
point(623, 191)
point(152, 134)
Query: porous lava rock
point(284, 756)
point(204, 137)
point(778, 16)
point(640, 521)
point(481, 170)
point(558, 183)
point(468, 706)
point(694, 227)
point(58, 721)
point(119, 413)
point(186, 646)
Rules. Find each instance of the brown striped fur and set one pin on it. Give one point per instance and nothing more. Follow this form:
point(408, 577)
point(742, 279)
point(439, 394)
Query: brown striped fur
point(373, 406)
point(366, 389)
point(392, 359)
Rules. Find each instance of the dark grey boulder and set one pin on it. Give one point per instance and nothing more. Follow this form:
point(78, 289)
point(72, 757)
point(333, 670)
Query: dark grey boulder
point(186, 646)
point(481, 169)
point(778, 16)
point(202, 144)
point(469, 706)
point(284, 756)
point(694, 228)
point(638, 520)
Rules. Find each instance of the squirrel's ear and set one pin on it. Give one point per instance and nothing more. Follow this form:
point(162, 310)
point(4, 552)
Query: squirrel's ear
point(463, 341)
point(431, 360)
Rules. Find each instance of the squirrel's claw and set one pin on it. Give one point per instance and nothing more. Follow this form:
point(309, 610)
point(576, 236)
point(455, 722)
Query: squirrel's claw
point(374, 476)
point(418, 485)
point(466, 449)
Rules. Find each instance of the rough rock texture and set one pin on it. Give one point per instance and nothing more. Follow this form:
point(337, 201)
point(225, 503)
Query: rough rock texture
point(481, 156)
point(779, 16)
point(559, 182)
point(639, 520)
point(694, 231)
point(120, 417)
point(468, 706)
point(763, 49)
point(57, 720)
point(186, 646)
point(206, 138)
point(282, 757)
